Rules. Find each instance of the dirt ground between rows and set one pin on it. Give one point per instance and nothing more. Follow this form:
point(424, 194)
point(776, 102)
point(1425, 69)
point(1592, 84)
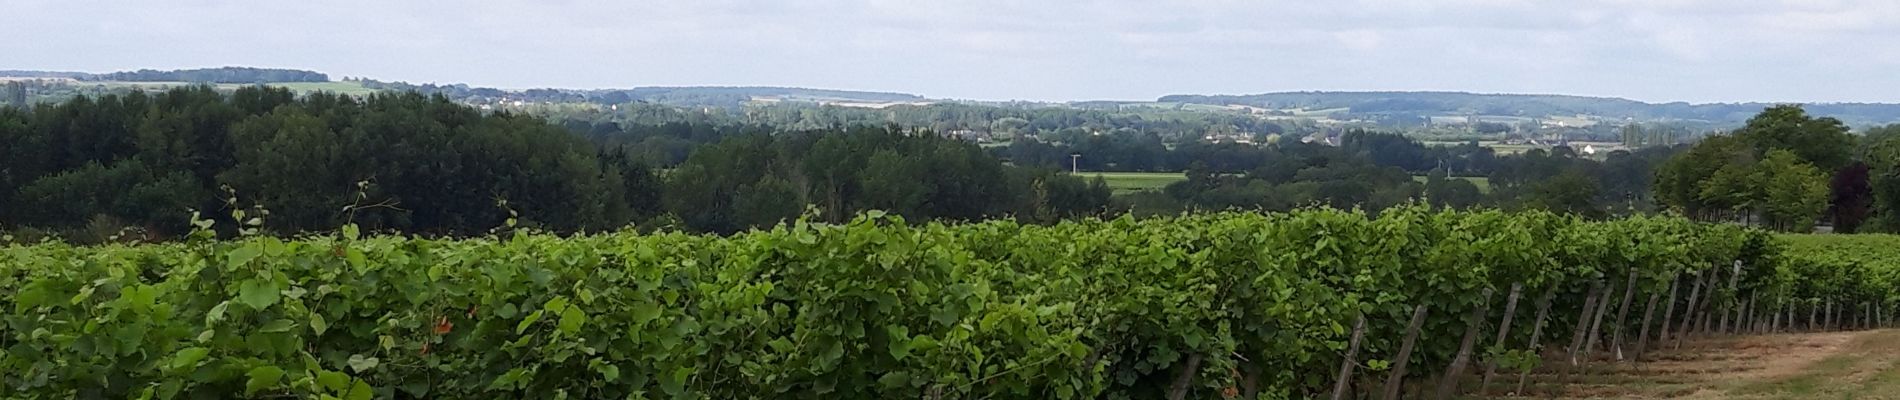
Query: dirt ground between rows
point(1833, 365)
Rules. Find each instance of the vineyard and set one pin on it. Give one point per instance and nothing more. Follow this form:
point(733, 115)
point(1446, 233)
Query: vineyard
point(1410, 303)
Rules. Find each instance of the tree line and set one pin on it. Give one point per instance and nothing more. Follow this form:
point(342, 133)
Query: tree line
point(426, 164)
point(214, 75)
point(1366, 169)
point(1788, 171)
point(91, 166)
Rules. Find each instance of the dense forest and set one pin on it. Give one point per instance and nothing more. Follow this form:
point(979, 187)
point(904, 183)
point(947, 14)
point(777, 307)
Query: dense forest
point(90, 167)
point(1368, 169)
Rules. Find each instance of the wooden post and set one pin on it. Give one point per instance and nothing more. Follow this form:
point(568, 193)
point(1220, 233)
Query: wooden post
point(1812, 312)
point(1397, 378)
point(1537, 334)
point(1249, 380)
point(1622, 316)
point(1827, 315)
point(1688, 314)
point(1734, 278)
point(1583, 328)
point(1185, 379)
point(1792, 313)
point(1859, 317)
point(1706, 318)
point(1345, 367)
point(1583, 321)
point(1754, 314)
point(1473, 324)
point(1596, 323)
point(1504, 331)
point(1775, 319)
point(1642, 339)
point(1649, 314)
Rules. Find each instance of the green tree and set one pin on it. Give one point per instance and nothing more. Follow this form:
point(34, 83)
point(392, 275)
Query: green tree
point(1680, 180)
point(831, 165)
point(15, 94)
point(1735, 187)
point(1572, 192)
point(889, 182)
point(1453, 193)
point(1882, 155)
point(1793, 193)
point(765, 203)
point(1824, 142)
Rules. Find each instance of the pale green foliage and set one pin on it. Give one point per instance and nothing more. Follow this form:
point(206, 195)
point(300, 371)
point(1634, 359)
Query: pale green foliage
point(874, 308)
point(1794, 193)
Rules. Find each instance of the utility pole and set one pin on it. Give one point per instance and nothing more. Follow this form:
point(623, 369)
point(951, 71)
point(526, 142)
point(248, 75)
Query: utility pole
point(1075, 163)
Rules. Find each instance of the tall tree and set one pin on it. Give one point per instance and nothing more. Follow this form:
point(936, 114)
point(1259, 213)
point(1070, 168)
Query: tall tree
point(1793, 193)
point(1823, 142)
point(1572, 192)
point(1851, 197)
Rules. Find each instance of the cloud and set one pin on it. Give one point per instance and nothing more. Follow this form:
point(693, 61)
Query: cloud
point(1363, 40)
point(1695, 50)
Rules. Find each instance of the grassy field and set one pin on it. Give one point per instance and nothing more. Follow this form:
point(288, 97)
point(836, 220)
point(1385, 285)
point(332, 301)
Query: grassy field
point(1320, 112)
point(347, 88)
point(1504, 149)
point(1483, 183)
point(1130, 182)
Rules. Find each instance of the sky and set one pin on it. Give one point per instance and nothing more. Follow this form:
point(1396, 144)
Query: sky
point(1052, 50)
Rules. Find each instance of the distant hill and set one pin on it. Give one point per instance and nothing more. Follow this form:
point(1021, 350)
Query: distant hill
point(771, 91)
point(43, 74)
point(201, 75)
point(681, 96)
point(734, 96)
point(1534, 105)
point(1401, 110)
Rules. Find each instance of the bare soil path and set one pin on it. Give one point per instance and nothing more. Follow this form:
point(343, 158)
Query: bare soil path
point(1833, 365)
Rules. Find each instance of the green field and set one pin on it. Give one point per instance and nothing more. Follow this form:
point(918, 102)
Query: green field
point(347, 88)
point(1483, 183)
point(1130, 182)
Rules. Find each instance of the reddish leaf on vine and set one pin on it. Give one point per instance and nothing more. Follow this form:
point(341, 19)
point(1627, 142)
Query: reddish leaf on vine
point(443, 326)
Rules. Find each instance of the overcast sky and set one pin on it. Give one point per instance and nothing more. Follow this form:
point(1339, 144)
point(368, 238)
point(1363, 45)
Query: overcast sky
point(1652, 50)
